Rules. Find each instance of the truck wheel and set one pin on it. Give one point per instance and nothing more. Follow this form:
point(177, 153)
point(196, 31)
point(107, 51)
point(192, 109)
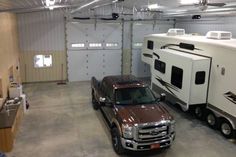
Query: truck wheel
point(199, 112)
point(211, 120)
point(116, 142)
point(94, 102)
point(226, 129)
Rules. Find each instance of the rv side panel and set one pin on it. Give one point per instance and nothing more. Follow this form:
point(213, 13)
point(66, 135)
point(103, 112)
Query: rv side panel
point(200, 81)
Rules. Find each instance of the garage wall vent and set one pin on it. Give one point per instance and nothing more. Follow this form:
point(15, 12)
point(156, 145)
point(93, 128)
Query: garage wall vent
point(175, 31)
point(219, 35)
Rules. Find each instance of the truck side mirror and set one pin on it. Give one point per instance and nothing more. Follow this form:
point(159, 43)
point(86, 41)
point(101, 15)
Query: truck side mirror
point(162, 97)
point(102, 100)
point(105, 101)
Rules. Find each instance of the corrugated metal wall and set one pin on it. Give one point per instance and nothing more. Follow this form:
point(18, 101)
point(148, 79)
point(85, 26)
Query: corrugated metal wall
point(31, 74)
point(40, 33)
point(9, 52)
point(139, 68)
point(208, 24)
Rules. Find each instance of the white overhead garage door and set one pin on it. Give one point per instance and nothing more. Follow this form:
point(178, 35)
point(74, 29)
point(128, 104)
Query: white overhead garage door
point(139, 68)
point(93, 50)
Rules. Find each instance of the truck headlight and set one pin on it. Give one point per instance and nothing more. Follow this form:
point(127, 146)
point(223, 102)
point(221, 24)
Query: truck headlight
point(127, 131)
point(172, 126)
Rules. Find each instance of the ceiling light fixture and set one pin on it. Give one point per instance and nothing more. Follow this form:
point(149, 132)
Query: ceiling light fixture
point(153, 6)
point(50, 4)
point(51, 7)
point(186, 2)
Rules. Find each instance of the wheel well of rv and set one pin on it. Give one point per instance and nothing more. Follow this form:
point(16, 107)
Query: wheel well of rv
point(221, 119)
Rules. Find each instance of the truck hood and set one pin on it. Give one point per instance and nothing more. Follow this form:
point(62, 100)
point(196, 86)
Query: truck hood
point(136, 114)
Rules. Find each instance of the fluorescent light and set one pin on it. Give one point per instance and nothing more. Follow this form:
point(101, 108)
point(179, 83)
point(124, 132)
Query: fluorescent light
point(47, 3)
point(50, 3)
point(186, 2)
point(90, 3)
point(51, 8)
point(153, 6)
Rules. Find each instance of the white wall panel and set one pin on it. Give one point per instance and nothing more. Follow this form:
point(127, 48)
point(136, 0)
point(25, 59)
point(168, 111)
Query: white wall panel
point(208, 24)
point(139, 68)
point(41, 31)
point(140, 30)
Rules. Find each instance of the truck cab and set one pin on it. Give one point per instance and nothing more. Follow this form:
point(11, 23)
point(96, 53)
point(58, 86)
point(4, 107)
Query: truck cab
point(136, 118)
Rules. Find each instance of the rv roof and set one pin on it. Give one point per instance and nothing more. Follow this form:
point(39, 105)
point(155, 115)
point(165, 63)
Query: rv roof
point(186, 55)
point(201, 39)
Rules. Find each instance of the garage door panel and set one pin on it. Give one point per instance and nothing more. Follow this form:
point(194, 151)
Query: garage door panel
point(112, 60)
point(95, 64)
point(77, 60)
point(98, 61)
point(112, 33)
point(74, 31)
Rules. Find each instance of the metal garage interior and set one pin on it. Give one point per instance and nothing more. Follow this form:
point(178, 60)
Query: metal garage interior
point(87, 38)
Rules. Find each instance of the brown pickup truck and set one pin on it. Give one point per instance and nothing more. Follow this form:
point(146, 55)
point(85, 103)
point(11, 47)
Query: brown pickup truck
point(137, 120)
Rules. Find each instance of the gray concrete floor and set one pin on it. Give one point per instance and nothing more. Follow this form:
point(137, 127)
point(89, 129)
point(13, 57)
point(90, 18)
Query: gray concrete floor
point(62, 123)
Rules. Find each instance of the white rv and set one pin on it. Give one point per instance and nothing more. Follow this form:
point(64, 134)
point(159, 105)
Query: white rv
point(197, 73)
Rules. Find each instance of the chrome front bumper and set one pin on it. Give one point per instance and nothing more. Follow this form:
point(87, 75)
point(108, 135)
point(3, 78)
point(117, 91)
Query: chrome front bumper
point(141, 146)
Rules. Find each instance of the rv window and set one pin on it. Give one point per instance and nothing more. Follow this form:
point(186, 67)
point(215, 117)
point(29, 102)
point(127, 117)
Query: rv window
point(160, 66)
point(177, 77)
point(150, 45)
point(200, 77)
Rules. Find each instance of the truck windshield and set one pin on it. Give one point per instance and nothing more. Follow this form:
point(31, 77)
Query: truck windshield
point(128, 96)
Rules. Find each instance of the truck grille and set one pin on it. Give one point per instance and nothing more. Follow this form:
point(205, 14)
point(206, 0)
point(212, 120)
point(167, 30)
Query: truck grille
point(151, 132)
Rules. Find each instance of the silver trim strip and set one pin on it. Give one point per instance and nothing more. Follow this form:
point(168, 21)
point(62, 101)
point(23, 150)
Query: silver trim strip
point(153, 136)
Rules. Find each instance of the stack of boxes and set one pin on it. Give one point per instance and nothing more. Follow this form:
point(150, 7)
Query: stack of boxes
point(15, 90)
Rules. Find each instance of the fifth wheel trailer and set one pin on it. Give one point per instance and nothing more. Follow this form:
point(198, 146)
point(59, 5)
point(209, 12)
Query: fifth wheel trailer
point(196, 73)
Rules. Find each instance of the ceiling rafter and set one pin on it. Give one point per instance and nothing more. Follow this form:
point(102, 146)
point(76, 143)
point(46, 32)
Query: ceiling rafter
point(169, 7)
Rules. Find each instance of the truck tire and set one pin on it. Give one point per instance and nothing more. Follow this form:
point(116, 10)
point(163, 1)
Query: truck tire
point(199, 112)
point(211, 120)
point(94, 102)
point(226, 129)
point(116, 141)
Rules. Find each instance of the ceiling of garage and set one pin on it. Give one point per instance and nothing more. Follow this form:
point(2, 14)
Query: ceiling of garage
point(164, 7)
